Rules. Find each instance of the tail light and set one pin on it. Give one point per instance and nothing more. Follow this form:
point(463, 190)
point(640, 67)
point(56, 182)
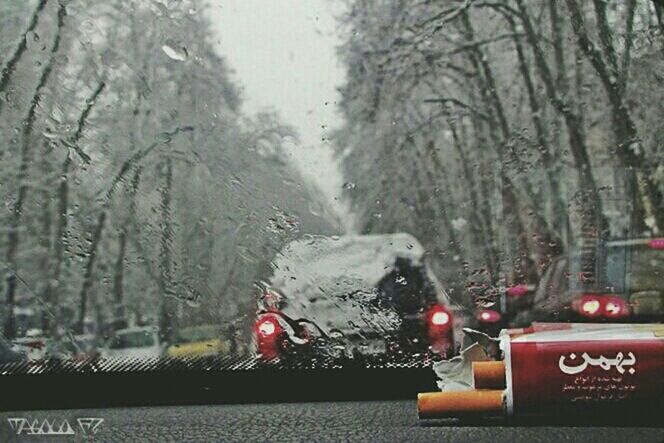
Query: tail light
point(601, 306)
point(440, 330)
point(267, 327)
point(656, 243)
point(441, 318)
point(488, 316)
point(439, 321)
point(269, 333)
point(517, 291)
point(615, 307)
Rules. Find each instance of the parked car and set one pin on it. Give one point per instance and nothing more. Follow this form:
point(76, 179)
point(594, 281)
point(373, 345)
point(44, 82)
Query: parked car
point(33, 344)
point(137, 343)
point(626, 286)
point(198, 341)
point(353, 296)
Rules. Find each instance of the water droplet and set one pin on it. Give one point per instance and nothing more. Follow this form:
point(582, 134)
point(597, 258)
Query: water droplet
point(179, 54)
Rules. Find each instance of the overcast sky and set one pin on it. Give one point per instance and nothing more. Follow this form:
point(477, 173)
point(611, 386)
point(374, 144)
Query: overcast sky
point(283, 53)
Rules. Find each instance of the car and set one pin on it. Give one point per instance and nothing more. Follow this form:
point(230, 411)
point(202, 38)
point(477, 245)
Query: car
point(488, 321)
point(33, 344)
point(627, 285)
point(135, 343)
point(198, 341)
point(353, 296)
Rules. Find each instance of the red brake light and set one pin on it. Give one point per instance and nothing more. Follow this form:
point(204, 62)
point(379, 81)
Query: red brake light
point(596, 306)
point(517, 291)
point(488, 316)
point(591, 306)
point(439, 321)
point(588, 305)
point(656, 243)
point(267, 327)
point(440, 318)
point(269, 335)
point(615, 307)
point(440, 329)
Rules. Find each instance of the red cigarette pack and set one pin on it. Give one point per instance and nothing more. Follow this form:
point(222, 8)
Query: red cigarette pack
point(583, 365)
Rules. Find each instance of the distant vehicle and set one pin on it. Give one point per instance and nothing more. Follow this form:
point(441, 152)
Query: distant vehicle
point(489, 321)
point(137, 343)
point(627, 286)
point(33, 344)
point(352, 296)
point(198, 341)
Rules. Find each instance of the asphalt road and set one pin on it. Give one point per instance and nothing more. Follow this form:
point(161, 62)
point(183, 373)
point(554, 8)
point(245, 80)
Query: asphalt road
point(312, 422)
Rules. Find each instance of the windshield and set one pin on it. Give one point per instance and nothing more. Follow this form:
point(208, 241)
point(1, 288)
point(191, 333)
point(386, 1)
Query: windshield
point(325, 180)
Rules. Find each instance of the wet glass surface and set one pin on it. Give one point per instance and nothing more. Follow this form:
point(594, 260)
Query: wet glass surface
point(324, 179)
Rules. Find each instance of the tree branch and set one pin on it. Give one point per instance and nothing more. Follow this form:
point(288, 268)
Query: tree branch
point(605, 37)
point(479, 43)
point(587, 46)
point(80, 124)
point(8, 70)
point(447, 15)
point(133, 161)
point(627, 53)
point(459, 103)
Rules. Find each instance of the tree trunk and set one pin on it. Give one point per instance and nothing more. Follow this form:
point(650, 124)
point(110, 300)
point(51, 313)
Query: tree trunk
point(54, 285)
point(478, 225)
point(119, 273)
point(128, 165)
point(660, 15)
point(10, 66)
point(166, 314)
point(45, 240)
point(443, 213)
point(511, 204)
point(559, 208)
point(53, 292)
point(626, 136)
point(89, 271)
point(13, 239)
point(591, 205)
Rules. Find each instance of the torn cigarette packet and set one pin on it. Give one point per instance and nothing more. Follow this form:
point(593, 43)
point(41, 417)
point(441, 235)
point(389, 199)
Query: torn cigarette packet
point(551, 366)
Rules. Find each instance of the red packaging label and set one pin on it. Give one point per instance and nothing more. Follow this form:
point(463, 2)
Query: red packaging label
point(577, 366)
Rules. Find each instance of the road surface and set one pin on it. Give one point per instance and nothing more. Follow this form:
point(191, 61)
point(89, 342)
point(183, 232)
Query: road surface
point(323, 421)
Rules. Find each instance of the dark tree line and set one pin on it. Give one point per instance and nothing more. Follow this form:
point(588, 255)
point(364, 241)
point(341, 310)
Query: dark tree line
point(503, 133)
point(128, 171)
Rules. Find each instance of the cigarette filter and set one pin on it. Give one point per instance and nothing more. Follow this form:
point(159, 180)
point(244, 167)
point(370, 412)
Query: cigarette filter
point(454, 404)
point(488, 374)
